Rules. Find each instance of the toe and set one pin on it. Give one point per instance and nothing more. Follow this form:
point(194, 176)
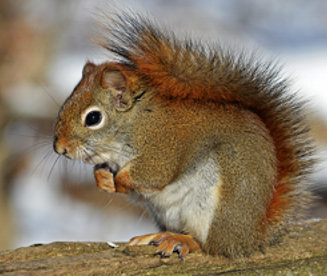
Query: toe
point(183, 251)
point(142, 240)
point(166, 248)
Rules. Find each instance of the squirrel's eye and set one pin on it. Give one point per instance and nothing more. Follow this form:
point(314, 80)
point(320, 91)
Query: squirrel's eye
point(93, 118)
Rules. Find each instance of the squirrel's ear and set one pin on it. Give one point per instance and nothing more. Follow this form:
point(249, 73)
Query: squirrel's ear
point(88, 67)
point(116, 80)
point(113, 79)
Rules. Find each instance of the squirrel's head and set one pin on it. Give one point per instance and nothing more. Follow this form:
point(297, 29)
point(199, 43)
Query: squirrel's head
point(95, 112)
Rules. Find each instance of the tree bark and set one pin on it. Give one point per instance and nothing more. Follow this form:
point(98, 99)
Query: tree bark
point(302, 251)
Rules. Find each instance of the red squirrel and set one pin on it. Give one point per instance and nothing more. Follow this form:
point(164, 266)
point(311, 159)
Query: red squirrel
point(213, 143)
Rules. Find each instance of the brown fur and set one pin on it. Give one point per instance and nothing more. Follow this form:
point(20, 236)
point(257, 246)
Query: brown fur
point(183, 101)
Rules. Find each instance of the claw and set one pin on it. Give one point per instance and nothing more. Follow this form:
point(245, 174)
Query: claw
point(168, 243)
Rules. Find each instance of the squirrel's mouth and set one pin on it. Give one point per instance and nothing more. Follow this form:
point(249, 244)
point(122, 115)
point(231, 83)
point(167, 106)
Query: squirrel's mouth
point(91, 159)
point(109, 167)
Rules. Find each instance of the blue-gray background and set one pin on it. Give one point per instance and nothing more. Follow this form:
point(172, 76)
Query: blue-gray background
point(44, 45)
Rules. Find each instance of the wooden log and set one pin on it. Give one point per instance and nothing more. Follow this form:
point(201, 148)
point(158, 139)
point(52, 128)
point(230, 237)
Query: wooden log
point(302, 251)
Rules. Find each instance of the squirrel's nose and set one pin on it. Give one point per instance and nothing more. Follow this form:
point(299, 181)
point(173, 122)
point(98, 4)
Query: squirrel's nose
point(59, 147)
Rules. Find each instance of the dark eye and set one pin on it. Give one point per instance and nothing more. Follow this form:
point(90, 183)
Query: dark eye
point(93, 118)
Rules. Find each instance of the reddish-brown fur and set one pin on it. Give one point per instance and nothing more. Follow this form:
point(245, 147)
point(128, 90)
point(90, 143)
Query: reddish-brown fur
point(182, 70)
point(217, 144)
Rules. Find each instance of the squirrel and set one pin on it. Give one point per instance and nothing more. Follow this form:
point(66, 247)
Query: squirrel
point(213, 142)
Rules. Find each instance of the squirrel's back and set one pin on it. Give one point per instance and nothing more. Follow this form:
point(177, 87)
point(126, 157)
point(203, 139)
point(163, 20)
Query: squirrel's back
point(184, 70)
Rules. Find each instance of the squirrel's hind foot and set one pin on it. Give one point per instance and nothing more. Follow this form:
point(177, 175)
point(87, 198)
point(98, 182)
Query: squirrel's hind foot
point(168, 243)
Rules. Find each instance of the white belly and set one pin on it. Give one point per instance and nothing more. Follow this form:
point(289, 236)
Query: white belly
point(188, 204)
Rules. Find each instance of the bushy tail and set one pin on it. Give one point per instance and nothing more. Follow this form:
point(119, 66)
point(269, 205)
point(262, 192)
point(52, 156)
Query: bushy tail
point(188, 70)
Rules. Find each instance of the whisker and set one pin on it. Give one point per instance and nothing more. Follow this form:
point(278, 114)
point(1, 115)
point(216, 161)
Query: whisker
point(50, 96)
point(142, 215)
point(87, 154)
point(73, 163)
point(114, 150)
point(25, 136)
point(101, 156)
point(46, 157)
point(47, 135)
point(77, 157)
point(51, 170)
point(124, 207)
point(107, 204)
point(49, 154)
point(81, 164)
point(26, 152)
point(63, 168)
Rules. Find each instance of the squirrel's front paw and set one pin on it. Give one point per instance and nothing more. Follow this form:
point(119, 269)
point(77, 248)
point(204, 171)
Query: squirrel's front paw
point(104, 178)
point(168, 243)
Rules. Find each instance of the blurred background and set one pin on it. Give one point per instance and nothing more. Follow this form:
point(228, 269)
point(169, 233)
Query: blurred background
point(43, 47)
